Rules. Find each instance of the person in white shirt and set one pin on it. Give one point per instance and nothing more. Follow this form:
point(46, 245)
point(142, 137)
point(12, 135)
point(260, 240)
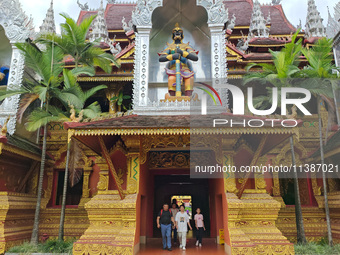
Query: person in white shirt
point(182, 223)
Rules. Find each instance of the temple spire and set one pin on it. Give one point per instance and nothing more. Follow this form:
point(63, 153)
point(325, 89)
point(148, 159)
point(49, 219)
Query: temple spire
point(48, 25)
point(258, 23)
point(314, 26)
point(99, 28)
point(100, 31)
point(333, 26)
point(337, 12)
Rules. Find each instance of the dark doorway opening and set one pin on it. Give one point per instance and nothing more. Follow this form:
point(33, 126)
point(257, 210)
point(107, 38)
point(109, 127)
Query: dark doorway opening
point(166, 186)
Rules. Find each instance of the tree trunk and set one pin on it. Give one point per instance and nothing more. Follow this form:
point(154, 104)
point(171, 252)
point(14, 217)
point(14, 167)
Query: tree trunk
point(63, 204)
point(300, 229)
point(35, 231)
point(324, 181)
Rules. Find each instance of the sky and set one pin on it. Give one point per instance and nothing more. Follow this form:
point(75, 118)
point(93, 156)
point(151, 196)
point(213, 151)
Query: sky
point(294, 9)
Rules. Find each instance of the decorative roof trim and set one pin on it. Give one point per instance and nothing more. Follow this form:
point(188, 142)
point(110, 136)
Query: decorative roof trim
point(178, 131)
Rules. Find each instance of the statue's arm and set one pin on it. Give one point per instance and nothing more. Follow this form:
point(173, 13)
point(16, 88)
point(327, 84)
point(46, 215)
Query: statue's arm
point(191, 55)
point(166, 56)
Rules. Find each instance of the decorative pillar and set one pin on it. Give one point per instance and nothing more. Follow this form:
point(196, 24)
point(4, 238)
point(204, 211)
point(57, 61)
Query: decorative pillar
point(111, 92)
point(103, 183)
point(141, 18)
point(141, 76)
point(276, 183)
point(229, 177)
point(48, 191)
point(86, 191)
point(133, 163)
point(228, 161)
point(260, 183)
point(218, 61)
point(18, 27)
point(10, 105)
point(133, 172)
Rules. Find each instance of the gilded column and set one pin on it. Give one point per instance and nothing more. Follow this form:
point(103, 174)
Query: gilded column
point(103, 183)
point(133, 163)
point(86, 191)
point(228, 163)
point(48, 190)
point(229, 176)
point(133, 173)
point(260, 183)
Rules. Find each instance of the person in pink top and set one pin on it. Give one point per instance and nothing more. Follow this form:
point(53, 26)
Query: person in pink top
point(199, 224)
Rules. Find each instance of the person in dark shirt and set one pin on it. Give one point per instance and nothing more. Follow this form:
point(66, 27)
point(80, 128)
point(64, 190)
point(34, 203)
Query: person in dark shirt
point(164, 220)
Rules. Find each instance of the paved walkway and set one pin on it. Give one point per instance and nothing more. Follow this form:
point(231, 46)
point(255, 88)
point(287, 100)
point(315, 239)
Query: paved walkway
point(209, 247)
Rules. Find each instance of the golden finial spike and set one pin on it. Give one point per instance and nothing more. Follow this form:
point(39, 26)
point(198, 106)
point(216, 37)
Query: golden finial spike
point(177, 25)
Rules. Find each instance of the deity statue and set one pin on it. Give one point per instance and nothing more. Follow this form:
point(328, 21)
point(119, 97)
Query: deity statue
point(4, 73)
point(179, 69)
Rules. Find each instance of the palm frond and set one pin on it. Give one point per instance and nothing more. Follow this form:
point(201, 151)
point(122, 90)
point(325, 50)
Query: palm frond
point(92, 111)
point(89, 93)
point(25, 102)
point(39, 118)
point(75, 173)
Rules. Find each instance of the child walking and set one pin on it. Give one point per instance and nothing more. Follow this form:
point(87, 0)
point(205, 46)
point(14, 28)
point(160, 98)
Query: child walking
point(199, 224)
point(182, 223)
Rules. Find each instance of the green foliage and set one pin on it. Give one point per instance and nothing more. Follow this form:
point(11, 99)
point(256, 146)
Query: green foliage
point(320, 59)
point(320, 69)
point(72, 41)
point(316, 249)
point(284, 67)
point(317, 77)
point(120, 98)
point(50, 246)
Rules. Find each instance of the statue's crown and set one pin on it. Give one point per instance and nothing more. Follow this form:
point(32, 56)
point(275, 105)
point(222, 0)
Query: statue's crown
point(177, 28)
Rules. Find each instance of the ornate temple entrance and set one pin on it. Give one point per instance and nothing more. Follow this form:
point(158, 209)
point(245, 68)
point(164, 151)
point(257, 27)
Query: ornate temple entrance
point(167, 186)
point(160, 185)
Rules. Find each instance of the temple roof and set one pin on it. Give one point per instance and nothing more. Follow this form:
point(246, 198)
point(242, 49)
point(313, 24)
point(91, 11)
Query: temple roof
point(114, 14)
point(333, 144)
point(242, 9)
point(267, 41)
point(142, 121)
point(87, 133)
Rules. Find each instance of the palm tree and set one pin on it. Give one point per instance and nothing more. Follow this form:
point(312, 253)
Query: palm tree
point(320, 72)
point(72, 42)
point(48, 66)
point(91, 111)
point(281, 74)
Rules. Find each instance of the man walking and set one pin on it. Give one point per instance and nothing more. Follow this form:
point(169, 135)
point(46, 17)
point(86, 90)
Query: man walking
point(164, 220)
point(174, 211)
point(182, 220)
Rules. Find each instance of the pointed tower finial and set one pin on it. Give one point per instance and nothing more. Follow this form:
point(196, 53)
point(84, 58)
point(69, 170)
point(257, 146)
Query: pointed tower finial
point(337, 12)
point(333, 26)
point(99, 27)
point(99, 30)
point(258, 23)
point(48, 25)
point(314, 26)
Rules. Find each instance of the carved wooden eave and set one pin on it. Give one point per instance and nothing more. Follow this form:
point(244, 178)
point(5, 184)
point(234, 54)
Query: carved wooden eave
point(21, 152)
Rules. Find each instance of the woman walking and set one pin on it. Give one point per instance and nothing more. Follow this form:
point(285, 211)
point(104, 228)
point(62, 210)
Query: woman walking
point(199, 224)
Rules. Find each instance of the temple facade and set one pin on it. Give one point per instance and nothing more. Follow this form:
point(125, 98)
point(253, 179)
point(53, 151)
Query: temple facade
point(139, 155)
